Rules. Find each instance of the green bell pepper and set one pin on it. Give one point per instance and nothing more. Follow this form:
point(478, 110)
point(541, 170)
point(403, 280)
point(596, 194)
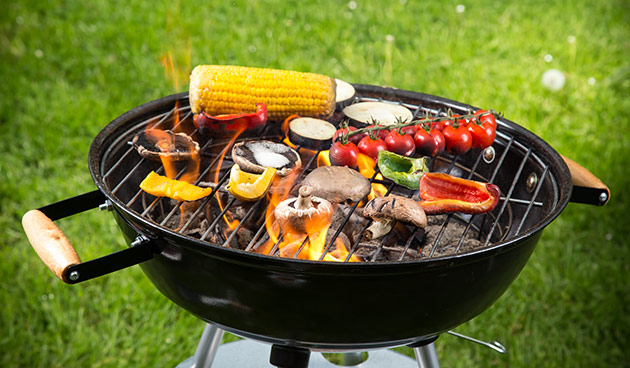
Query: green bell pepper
point(403, 170)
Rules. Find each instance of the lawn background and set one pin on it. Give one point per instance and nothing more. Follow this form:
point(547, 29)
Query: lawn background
point(69, 67)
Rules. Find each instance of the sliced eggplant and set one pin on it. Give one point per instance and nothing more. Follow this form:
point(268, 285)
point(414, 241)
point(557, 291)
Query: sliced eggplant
point(367, 113)
point(344, 94)
point(311, 133)
point(254, 156)
point(153, 143)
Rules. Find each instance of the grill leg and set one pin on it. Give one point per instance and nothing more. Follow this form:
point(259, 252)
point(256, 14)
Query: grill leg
point(208, 345)
point(289, 356)
point(426, 356)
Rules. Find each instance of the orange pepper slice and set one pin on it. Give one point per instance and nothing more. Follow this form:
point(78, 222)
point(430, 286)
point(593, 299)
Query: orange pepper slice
point(247, 186)
point(161, 186)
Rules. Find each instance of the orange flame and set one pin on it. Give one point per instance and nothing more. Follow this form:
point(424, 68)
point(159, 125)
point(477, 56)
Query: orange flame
point(231, 224)
point(297, 245)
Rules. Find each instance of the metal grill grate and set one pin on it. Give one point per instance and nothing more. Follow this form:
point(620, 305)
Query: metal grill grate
point(122, 170)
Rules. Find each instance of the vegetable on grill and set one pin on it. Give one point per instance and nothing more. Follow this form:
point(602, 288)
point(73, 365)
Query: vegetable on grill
point(227, 89)
point(161, 186)
point(338, 184)
point(311, 133)
point(219, 124)
point(403, 170)
point(385, 210)
point(443, 193)
point(256, 156)
point(248, 187)
point(305, 214)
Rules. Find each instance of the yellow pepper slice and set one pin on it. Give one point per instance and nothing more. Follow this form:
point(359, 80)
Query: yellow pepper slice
point(161, 186)
point(249, 187)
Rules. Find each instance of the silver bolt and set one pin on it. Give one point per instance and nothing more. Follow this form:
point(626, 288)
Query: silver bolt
point(107, 206)
point(603, 197)
point(140, 239)
point(488, 155)
point(532, 180)
point(74, 275)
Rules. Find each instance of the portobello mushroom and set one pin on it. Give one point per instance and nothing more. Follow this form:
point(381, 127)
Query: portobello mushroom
point(254, 156)
point(338, 184)
point(305, 214)
point(385, 210)
point(153, 143)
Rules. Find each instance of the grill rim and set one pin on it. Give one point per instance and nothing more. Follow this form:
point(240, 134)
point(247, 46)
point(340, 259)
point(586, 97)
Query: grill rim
point(559, 173)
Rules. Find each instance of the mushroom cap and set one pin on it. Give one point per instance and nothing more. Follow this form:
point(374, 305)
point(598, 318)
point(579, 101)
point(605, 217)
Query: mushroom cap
point(297, 219)
point(338, 184)
point(154, 143)
point(255, 155)
point(395, 207)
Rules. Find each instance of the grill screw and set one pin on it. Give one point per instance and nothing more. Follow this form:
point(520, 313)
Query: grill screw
point(488, 155)
point(74, 275)
point(532, 181)
point(140, 239)
point(107, 206)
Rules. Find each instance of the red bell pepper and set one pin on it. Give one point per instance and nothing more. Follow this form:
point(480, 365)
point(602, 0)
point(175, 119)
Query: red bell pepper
point(443, 193)
point(219, 124)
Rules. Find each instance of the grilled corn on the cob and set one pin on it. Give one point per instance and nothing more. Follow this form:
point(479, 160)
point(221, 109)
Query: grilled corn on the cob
point(226, 89)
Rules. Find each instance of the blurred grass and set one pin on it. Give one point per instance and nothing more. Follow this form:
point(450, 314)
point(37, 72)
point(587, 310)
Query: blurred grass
point(69, 67)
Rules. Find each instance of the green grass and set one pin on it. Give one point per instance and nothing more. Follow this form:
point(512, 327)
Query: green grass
point(69, 67)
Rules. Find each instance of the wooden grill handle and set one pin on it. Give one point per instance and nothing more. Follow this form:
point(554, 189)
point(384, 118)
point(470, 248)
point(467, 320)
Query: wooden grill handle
point(583, 178)
point(50, 243)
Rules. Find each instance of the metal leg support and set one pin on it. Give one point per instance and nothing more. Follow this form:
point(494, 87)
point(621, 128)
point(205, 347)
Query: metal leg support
point(426, 356)
point(208, 346)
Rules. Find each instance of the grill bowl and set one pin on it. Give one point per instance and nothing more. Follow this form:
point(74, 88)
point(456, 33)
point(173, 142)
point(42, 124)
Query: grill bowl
point(326, 305)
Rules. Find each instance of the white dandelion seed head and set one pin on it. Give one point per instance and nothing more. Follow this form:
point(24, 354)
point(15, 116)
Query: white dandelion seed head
point(553, 79)
point(352, 5)
point(390, 38)
point(460, 8)
point(548, 58)
point(592, 81)
point(571, 39)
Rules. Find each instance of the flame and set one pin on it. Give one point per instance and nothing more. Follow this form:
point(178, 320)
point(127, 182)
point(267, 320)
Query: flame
point(231, 223)
point(177, 69)
point(291, 245)
point(165, 141)
point(366, 168)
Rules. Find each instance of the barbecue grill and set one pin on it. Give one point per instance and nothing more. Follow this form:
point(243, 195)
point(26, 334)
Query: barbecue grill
point(299, 304)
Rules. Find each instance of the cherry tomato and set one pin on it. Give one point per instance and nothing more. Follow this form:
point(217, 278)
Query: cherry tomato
point(430, 143)
point(450, 122)
point(370, 147)
point(401, 144)
point(438, 125)
point(458, 139)
point(411, 130)
point(439, 139)
point(381, 133)
point(425, 144)
point(343, 154)
point(354, 139)
point(486, 117)
point(482, 134)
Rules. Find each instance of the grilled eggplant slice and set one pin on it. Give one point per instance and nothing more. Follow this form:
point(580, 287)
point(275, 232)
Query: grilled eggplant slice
point(344, 94)
point(311, 133)
point(366, 113)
